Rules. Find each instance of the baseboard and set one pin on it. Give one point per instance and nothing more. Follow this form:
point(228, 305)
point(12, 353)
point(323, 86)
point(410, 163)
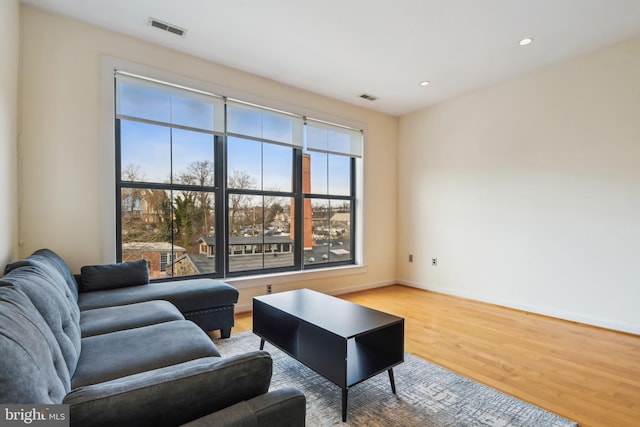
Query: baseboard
point(359, 288)
point(242, 308)
point(558, 314)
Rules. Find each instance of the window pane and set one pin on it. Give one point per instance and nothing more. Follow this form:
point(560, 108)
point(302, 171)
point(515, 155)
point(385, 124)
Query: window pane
point(241, 214)
point(331, 232)
point(244, 163)
point(264, 124)
point(277, 234)
point(333, 139)
point(194, 230)
point(192, 112)
point(329, 173)
point(318, 251)
point(260, 236)
point(245, 232)
point(339, 175)
point(193, 158)
point(145, 152)
point(317, 138)
point(340, 230)
point(318, 170)
point(277, 167)
point(277, 128)
point(175, 238)
point(146, 227)
point(244, 121)
point(193, 218)
point(144, 102)
point(339, 142)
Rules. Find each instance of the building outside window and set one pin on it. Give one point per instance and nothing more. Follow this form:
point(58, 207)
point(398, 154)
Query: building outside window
point(211, 186)
point(166, 259)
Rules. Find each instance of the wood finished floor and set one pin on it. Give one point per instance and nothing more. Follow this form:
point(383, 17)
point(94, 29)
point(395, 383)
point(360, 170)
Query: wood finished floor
point(587, 374)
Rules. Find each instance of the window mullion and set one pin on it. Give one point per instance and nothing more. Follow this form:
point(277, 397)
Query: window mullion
point(221, 205)
point(298, 210)
point(118, 194)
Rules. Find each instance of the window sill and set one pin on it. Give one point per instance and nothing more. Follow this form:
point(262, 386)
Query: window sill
point(294, 276)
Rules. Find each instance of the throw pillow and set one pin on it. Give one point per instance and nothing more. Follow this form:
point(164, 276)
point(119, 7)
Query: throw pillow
point(111, 276)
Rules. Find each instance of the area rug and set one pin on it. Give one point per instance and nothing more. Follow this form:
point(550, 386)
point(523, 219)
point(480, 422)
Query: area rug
point(427, 395)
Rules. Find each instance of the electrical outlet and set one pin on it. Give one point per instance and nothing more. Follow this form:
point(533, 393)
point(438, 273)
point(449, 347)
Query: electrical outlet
point(269, 289)
point(410, 257)
point(434, 261)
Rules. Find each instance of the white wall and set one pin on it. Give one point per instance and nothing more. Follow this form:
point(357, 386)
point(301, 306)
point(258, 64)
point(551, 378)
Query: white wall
point(62, 137)
point(528, 192)
point(9, 56)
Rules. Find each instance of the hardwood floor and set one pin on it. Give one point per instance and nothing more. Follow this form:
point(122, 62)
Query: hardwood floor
point(584, 373)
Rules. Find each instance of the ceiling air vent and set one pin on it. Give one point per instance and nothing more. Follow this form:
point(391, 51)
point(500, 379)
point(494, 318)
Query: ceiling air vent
point(167, 27)
point(368, 97)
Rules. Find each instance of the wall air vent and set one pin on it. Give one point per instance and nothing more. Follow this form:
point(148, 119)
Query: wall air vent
point(167, 27)
point(368, 97)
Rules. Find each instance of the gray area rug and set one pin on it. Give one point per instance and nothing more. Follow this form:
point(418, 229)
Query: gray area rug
point(427, 395)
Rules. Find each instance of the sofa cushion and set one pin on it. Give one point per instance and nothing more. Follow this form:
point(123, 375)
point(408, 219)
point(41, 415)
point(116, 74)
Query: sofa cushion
point(118, 354)
point(120, 317)
point(52, 260)
point(187, 295)
point(32, 368)
point(112, 276)
point(282, 407)
point(61, 314)
point(173, 395)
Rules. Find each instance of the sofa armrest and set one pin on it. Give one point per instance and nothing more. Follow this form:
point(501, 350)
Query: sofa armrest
point(285, 407)
point(172, 395)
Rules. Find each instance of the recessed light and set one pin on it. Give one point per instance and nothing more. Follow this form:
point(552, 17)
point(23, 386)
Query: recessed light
point(425, 83)
point(526, 41)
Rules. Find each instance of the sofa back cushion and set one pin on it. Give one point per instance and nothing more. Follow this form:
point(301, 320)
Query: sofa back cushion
point(32, 368)
point(51, 260)
point(62, 317)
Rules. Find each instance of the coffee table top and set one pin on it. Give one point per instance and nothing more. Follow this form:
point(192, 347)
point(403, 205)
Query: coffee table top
point(335, 315)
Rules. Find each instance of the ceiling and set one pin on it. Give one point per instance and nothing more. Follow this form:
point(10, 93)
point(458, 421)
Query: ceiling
point(384, 48)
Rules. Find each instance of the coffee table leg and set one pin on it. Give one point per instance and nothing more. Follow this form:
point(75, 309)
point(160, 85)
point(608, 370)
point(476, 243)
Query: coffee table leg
point(393, 382)
point(345, 392)
point(261, 343)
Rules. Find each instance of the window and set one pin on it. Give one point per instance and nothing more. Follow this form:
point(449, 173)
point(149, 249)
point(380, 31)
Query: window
point(261, 151)
point(329, 192)
point(217, 187)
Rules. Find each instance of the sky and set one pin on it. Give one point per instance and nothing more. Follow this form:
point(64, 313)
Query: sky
point(156, 149)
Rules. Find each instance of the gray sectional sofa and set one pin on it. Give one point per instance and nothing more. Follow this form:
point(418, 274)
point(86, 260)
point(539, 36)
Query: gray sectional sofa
point(127, 361)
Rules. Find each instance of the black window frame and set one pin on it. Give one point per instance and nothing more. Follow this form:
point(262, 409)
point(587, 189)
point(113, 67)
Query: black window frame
point(351, 198)
point(221, 194)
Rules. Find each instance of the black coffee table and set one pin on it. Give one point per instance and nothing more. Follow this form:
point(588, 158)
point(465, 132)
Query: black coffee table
point(344, 342)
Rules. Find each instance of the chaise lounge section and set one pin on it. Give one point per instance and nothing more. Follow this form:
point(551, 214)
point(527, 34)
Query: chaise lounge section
point(207, 302)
